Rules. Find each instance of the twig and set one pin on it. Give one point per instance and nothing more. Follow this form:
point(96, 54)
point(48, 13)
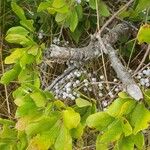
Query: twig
point(68, 71)
point(142, 61)
point(114, 15)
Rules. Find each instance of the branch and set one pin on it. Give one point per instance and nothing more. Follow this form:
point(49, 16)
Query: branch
point(94, 49)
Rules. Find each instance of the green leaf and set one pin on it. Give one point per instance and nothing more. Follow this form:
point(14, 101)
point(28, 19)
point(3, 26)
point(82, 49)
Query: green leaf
point(63, 10)
point(10, 75)
point(99, 120)
point(126, 143)
point(140, 118)
point(77, 132)
point(112, 133)
point(16, 30)
point(14, 56)
point(22, 142)
point(18, 11)
point(33, 50)
point(126, 127)
point(71, 118)
point(40, 142)
point(43, 6)
point(60, 17)
point(103, 10)
point(142, 4)
point(28, 108)
point(79, 11)
point(58, 3)
point(80, 102)
point(19, 39)
point(44, 123)
point(102, 7)
point(144, 34)
point(120, 107)
point(147, 96)
point(139, 140)
point(26, 59)
point(73, 20)
point(92, 4)
point(64, 140)
point(26, 75)
point(99, 145)
point(39, 99)
point(28, 24)
point(6, 122)
point(123, 95)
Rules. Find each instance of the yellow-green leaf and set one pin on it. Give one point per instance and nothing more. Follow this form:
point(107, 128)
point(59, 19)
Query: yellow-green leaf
point(64, 140)
point(43, 6)
point(80, 102)
point(10, 75)
point(19, 39)
point(39, 99)
point(58, 3)
point(99, 120)
point(14, 56)
point(144, 34)
point(18, 30)
point(126, 127)
point(73, 20)
point(126, 143)
point(71, 118)
point(139, 140)
point(140, 118)
point(113, 132)
point(18, 10)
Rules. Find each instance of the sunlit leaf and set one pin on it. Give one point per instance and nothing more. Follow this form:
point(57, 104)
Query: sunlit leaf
point(10, 75)
point(126, 143)
point(120, 107)
point(126, 127)
point(28, 24)
point(140, 118)
point(58, 3)
point(60, 17)
point(14, 56)
point(77, 132)
point(43, 6)
point(100, 145)
point(42, 124)
point(39, 99)
point(64, 140)
point(139, 140)
point(19, 39)
point(144, 34)
point(80, 102)
point(16, 30)
point(113, 132)
point(99, 120)
point(73, 20)
point(147, 96)
point(71, 118)
point(18, 11)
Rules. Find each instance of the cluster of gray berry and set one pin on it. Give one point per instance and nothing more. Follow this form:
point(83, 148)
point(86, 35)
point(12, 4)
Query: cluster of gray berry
point(144, 77)
point(81, 82)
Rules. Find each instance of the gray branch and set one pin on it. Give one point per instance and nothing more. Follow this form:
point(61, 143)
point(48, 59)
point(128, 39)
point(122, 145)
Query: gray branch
point(94, 49)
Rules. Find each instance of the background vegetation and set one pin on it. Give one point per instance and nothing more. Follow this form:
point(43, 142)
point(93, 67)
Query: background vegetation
point(98, 114)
